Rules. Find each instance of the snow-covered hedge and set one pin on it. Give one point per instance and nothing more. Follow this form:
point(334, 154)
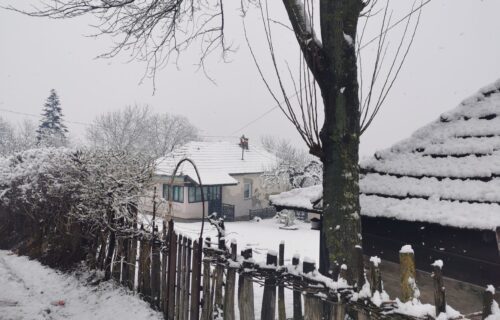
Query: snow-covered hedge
point(98, 188)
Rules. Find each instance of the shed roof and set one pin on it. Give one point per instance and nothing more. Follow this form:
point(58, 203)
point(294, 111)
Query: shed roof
point(447, 172)
point(216, 161)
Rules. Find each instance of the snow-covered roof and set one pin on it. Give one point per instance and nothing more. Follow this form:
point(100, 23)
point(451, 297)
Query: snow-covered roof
point(447, 172)
point(298, 198)
point(216, 161)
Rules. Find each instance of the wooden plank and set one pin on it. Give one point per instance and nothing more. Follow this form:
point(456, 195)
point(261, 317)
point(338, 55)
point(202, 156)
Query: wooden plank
point(125, 268)
point(297, 296)
point(439, 289)
point(488, 302)
point(109, 256)
point(313, 307)
point(408, 273)
point(375, 275)
point(178, 286)
point(205, 312)
point(230, 287)
point(196, 280)
point(117, 260)
point(245, 290)
point(132, 261)
point(268, 310)
point(141, 266)
point(187, 280)
point(147, 271)
point(155, 272)
point(172, 259)
point(281, 289)
point(164, 263)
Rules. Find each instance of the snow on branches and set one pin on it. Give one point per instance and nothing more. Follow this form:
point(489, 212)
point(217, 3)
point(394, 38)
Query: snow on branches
point(101, 189)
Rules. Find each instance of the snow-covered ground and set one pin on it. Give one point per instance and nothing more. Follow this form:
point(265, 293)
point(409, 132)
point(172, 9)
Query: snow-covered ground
point(262, 236)
point(29, 291)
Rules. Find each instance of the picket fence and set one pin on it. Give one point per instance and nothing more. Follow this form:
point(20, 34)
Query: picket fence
point(189, 280)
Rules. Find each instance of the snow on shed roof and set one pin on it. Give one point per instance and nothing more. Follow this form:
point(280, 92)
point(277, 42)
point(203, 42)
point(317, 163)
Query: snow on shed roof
point(447, 172)
point(216, 161)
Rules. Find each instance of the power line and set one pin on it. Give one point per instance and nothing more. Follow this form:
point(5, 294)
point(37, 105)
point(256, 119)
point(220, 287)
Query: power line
point(38, 116)
point(362, 47)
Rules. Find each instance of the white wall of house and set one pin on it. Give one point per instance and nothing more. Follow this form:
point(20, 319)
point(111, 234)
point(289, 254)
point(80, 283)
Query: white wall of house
point(233, 194)
point(258, 199)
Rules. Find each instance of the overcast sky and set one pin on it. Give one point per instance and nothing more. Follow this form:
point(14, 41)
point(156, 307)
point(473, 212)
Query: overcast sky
point(456, 51)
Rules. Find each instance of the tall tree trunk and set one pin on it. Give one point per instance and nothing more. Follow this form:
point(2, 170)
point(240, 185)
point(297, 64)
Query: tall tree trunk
point(341, 226)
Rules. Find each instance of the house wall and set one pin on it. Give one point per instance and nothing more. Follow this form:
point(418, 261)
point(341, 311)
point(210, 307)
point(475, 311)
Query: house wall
point(230, 195)
point(183, 210)
point(259, 199)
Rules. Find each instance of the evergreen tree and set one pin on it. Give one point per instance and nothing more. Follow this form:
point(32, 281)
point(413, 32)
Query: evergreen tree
point(52, 132)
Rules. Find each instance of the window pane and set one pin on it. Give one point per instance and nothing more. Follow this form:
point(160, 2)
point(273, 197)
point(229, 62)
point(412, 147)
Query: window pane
point(191, 191)
point(165, 191)
point(181, 194)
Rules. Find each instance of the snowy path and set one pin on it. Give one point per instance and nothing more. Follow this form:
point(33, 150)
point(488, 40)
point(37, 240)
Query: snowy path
point(31, 291)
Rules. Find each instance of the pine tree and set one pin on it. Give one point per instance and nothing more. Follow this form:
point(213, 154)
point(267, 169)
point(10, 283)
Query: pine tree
point(52, 132)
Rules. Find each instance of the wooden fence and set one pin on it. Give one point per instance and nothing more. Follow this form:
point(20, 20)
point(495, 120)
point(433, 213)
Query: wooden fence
point(186, 279)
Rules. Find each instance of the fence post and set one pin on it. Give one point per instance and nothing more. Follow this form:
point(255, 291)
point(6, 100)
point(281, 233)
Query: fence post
point(313, 309)
point(125, 267)
point(109, 256)
point(230, 285)
point(488, 301)
point(219, 276)
point(155, 270)
point(245, 289)
point(187, 281)
point(117, 261)
point(297, 297)
point(439, 289)
point(178, 302)
point(375, 276)
point(163, 288)
point(269, 298)
point(132, 259)
point(281, 289)
point(360, 277)
point(205, 311)
point(196, 280)
point(147, 272)
point(172, 259)
point(408, 274)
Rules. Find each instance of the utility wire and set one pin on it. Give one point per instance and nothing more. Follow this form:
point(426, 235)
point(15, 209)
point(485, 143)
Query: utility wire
point(38, 116)
point(362, 47)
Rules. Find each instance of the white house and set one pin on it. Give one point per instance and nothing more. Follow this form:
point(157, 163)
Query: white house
point(230, 173)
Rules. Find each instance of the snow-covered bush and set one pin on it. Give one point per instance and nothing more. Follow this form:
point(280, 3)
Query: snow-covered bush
point(62, 199)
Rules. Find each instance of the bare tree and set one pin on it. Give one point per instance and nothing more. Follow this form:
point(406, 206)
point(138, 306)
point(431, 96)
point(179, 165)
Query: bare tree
point(154, 30)
point(16, 138)
point(328, 65)
point(6, 137)
point(138, 129)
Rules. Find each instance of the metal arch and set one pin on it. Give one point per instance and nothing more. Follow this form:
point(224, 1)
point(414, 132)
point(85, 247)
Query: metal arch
point(201, 188)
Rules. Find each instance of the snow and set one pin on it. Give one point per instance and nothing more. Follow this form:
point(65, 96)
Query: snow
point(447, 172)
point(446, 213)
point(216, 161)
point(406, 249)
point(375, 260)
point(490, 288)
point(298, 198)
point(32, 291)
point(438, 263)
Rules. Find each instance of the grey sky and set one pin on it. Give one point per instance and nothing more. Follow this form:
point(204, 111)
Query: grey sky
point(456, 52)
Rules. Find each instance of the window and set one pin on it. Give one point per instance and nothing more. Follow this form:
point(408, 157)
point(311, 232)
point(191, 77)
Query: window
point(247, 190)
point(177, 193)
point(210, 193)
point(195, 194)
